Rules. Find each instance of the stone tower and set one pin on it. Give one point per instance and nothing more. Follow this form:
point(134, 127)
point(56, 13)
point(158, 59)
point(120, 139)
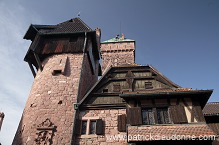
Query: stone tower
point(66, 58)
point(117, 51)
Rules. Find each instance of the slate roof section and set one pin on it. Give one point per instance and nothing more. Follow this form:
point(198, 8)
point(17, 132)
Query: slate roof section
point(74, 25)
point(169, 132)
point(211, 109)
point(203, 94)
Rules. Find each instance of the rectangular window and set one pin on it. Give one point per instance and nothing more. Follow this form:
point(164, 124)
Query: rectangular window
point(84, 127)
point(92, 127)
point(116, 87)
point(148, 85)
point(147, 116)
point(105, 90)
point(162, 116)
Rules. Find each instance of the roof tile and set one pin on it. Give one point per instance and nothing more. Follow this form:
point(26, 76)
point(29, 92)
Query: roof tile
point(164, 90)
point(211, 109)
point(168, 132)
point(73, 25)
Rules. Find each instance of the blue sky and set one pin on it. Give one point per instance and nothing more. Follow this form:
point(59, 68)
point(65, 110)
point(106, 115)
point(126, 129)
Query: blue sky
point(180, 38)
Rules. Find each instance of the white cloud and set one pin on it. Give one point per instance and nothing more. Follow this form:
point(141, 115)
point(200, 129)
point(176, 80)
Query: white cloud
point(15, 76)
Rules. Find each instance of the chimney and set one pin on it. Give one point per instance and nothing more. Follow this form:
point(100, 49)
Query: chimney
point(98, 36)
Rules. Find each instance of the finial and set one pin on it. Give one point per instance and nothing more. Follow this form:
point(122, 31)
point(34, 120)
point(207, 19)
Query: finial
point(79, 14)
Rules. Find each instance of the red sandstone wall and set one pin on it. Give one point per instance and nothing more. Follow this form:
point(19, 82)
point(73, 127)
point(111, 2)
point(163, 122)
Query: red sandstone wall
point(51, 97)
point(110, 127)
point(116, 54)
point(88, 79)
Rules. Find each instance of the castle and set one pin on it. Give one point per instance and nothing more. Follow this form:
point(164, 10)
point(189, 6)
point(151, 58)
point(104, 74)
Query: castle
point(129, 104)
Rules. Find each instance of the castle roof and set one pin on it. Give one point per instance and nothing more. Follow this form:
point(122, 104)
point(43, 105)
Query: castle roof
point(74, 25)
point(65, 37)
point(211, 109)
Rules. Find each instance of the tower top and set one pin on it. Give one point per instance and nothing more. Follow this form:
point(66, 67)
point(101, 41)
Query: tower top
point(118, 39)
point(117, 51)
point(74, 25)
point(71, 36)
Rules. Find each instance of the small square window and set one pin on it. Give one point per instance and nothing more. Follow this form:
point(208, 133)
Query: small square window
point(92, 127)
point(116, 87)
point(105, 90)
point(56, 72)
point(148, 85)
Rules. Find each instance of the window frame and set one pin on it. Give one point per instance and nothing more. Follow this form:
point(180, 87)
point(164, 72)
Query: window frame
point(92, 127)
point(148, 85)
point(82, 129)
point(163, 118)
point(154, 113)
point(89, 120)
point(116, 87)
point(145, 112)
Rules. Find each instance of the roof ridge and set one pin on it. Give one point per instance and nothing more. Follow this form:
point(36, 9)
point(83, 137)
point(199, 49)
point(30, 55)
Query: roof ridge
point(72, 20)
point(83, 23)
point(212, 103)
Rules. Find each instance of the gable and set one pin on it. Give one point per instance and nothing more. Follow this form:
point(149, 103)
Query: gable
point(133, 79)
point(118, 80)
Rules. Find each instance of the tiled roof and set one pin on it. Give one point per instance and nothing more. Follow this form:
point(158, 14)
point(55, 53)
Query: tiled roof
point(131, 65)
point(165, 90)
point(73, 25)
point(211, 109)
point(168, 132)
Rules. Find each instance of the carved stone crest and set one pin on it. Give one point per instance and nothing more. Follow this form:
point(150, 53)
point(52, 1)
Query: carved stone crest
point(45, 132)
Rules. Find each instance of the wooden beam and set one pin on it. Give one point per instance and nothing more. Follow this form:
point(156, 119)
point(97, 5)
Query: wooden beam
point(135, 78)
point(190, 110)
point(32, 69)
point(38, 61)
point(125, 70)
point(103, 106)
